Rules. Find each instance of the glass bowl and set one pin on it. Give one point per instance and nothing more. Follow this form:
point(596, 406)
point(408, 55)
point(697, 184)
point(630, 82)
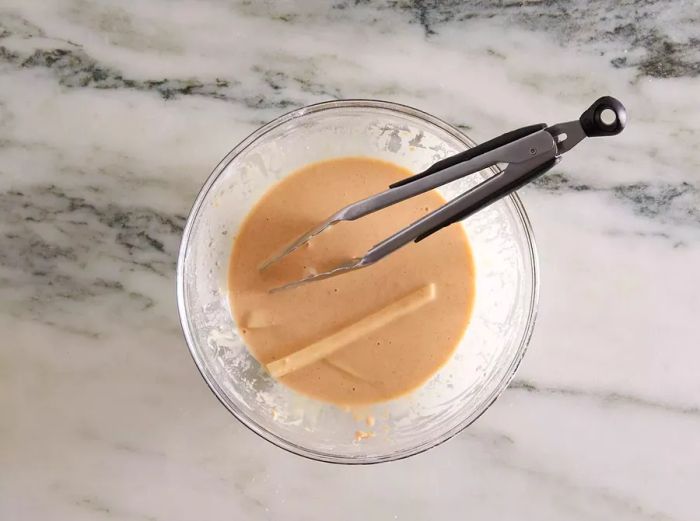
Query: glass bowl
point(486, 357)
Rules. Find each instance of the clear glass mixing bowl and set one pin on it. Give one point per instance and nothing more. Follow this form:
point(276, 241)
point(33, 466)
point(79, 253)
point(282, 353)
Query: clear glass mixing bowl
point(487, 355)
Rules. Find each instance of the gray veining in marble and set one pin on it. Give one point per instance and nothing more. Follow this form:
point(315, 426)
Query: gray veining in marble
point(112, 114)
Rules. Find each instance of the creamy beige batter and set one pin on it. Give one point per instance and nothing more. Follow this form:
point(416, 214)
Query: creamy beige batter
point(389, 362)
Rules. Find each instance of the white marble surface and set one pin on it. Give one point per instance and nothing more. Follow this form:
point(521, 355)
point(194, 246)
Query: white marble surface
point(112, 114)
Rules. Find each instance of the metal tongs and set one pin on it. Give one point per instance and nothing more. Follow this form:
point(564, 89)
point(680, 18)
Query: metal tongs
point(529, 152)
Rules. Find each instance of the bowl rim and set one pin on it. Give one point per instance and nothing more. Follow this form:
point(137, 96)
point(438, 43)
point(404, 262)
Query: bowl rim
point(214, 385)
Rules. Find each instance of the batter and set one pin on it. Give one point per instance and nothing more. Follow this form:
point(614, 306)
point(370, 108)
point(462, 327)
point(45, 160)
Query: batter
point(386, 363)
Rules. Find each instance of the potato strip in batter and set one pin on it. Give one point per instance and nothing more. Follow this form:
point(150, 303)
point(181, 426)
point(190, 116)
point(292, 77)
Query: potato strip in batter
point(330, 344)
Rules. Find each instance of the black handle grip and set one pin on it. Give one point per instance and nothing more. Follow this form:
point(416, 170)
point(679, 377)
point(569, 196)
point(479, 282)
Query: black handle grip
point(491, 191)
point(596, 122)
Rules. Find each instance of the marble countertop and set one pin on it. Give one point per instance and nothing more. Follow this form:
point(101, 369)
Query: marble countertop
point(112, 114)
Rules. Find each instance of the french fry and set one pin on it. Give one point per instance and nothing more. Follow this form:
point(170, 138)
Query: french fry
point(330, 344)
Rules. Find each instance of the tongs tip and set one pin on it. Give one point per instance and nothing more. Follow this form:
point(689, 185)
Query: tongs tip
point(298, 243)
point(350, 265)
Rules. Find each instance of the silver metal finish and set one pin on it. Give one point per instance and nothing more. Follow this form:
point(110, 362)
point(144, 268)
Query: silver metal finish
point(527, 158)
point(515, 152)
point(567, 135)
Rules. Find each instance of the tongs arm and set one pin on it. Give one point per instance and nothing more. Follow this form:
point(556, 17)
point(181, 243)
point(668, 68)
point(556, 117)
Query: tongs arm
point(506, 148)
point(542, 151)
